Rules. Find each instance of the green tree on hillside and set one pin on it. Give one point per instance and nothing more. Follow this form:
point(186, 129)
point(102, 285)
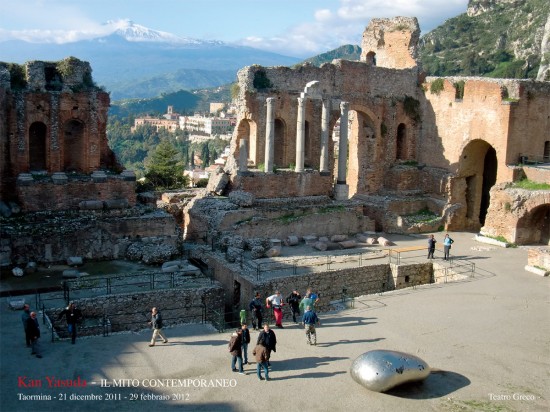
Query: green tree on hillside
point(165, 167)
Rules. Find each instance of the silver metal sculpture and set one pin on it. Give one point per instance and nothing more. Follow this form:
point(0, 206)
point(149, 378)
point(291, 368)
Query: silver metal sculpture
point(382, 370)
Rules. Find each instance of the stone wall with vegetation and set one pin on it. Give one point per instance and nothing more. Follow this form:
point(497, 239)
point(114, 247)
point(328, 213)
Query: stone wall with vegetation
point(132, 311)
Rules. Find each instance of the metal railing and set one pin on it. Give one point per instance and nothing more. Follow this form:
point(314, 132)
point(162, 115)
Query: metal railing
point(298, 266)
point(529, 159)
point(107, 285)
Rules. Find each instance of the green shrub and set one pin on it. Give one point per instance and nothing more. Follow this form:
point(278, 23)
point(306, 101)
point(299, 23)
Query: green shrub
point(437, 86)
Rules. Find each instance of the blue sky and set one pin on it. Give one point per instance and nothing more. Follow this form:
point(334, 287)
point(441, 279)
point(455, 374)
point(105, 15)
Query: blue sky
point(298, 28)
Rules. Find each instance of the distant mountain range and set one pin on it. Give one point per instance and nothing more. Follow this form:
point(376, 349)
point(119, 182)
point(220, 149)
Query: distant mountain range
point(135, 61)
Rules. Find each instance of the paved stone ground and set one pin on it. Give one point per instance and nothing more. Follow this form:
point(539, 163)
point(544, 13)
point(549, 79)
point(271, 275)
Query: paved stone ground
point(488, 340)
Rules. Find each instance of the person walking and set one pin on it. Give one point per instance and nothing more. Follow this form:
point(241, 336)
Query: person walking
point(72, 315)
point(310, 319)
point(235, 349)
point(294, 301)
point(245, 340)
point(276, 301)
point(24, 318)
point(260, 352)
point(157, 324)
point(447, 242)
point(257, 310)
point(268, 340)
point(33, 331)
point(431, 246)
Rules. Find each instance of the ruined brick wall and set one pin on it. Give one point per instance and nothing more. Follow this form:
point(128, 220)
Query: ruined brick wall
point(537, 174)
point(47, 195)
point(92, 235)
point(391, 43)
point(376, 101)
point(520, 216)
point(284, 184)
point(54, 120)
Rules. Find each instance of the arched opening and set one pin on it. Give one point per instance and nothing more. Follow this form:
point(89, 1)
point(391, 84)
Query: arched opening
point(478, 166)
point(37, 146)
point(73, 146)
point(244, 132)
point(280, 144)
point(489, 179)
point(401, 144)
point(534, 227)
point(361, 152)
point(371, 58)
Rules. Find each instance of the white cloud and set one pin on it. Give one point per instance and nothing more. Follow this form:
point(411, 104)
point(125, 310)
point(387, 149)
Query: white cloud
point(344, 25)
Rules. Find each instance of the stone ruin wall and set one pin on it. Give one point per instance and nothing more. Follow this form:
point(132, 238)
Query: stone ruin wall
point(539, 257)
point(284, 184)
point(47, 195)
point(61, 98)
point(132, 311)
point(509, 214)
point(376, 93)
point(105, 237)
point(393, 41)
point(357, 281)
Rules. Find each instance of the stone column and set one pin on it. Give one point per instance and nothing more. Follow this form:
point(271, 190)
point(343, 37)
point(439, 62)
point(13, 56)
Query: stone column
point(269, 136)
point(325, 117)
point(300, 135)
point(243, 155)
point(343, 144)
point(341, 190)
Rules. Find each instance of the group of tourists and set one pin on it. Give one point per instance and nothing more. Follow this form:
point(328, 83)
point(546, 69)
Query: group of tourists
point(266, 342)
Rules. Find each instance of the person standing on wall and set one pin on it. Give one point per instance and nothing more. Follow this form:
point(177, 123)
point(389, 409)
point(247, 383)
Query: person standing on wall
point(431, 246)
point(447, 242)
point(257, 310)
point(72, 315)
point(276, 301)
point(156, 323)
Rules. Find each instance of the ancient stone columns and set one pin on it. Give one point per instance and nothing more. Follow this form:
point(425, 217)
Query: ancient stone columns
point(341, 190)
point(325, 117)
point(269, 135)
point(300, 135)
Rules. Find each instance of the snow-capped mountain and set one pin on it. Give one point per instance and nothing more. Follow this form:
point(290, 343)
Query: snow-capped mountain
point(137, 33)
point(128, 52)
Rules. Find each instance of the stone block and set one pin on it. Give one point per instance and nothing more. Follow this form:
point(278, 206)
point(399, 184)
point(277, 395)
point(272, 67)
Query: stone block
point(338, 238)
point(16, 303)
point(75, 261)
point(348, 244)
point(310, 240)
point(385, 242)
point(372, 241)
point(322, 246)
point(274, 251)
point(116, 204)
point(91, 205)
point(292, 240)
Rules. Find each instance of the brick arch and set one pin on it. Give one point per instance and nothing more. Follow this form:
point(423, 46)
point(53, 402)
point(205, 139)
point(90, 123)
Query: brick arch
point(362, 150)
point(246, 130)
point(74, 146)
point(534, 226)
point(38, 154)
point(478, 166)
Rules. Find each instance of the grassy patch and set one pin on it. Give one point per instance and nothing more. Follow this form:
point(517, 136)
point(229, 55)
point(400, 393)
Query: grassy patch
point(530, 185)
